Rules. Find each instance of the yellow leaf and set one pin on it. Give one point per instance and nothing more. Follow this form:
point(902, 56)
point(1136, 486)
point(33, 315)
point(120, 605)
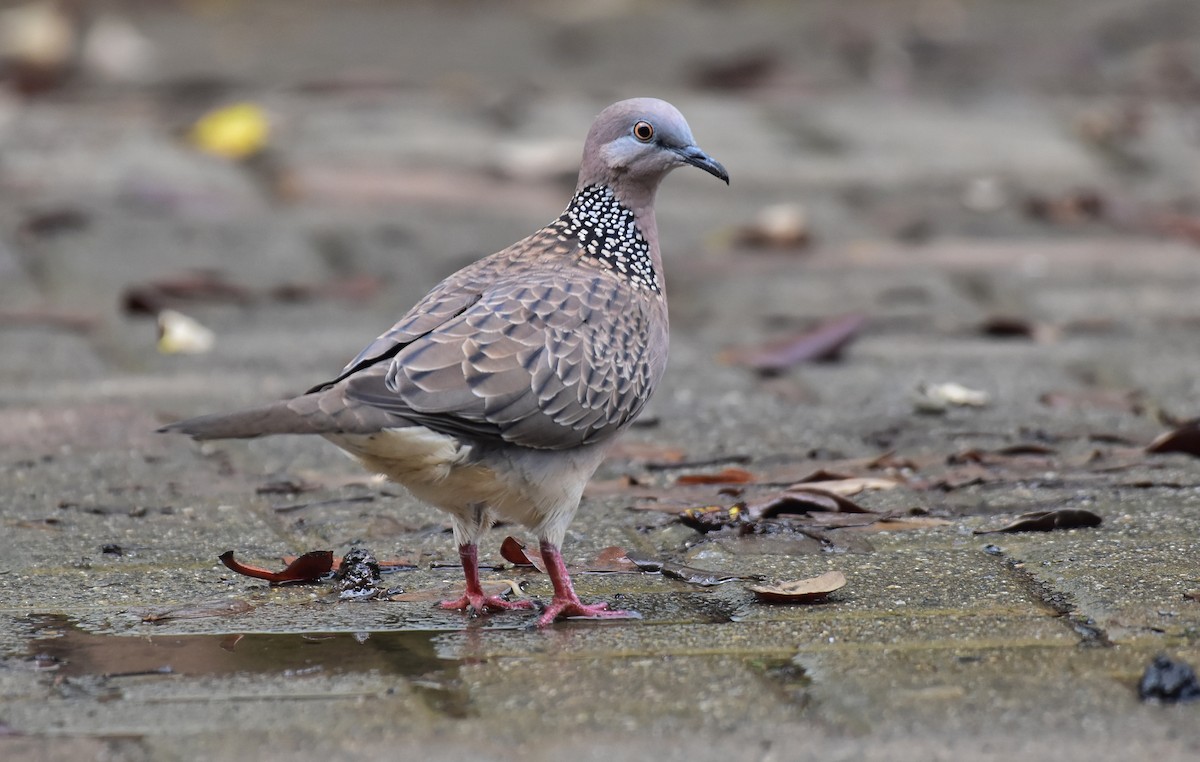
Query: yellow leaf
point(234, 132)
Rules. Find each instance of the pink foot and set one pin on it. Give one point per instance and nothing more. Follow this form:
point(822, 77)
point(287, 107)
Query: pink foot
point(568, 609)
point(480, 603)
point(566, 604)
point(474, 598)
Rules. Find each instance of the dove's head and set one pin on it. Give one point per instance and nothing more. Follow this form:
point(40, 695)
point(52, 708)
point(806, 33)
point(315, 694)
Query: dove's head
point(633, 144)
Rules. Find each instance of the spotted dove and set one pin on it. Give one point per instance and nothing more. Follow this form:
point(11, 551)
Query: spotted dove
point(499, 393)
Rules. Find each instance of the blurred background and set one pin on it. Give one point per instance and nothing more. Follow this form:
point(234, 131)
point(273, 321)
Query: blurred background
point(338, 158)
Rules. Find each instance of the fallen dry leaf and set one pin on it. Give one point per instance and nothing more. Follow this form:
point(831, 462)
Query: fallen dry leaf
point(1045, 521)
point(801, 499)
point(309, 567)
point(812, 590)
point(195, 286)
point(1012, 326)
point(385, 567)
point(514, 551)
point(1184, 438)
point(352, 288)
point(730, 475)
point(823, 342)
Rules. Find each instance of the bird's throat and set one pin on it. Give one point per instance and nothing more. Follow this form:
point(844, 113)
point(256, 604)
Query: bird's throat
point(609, 234)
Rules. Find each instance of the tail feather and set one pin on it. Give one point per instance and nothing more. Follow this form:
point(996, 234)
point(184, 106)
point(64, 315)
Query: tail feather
point(326, 412)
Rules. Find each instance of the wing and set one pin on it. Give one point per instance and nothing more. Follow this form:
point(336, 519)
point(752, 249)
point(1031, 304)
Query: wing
point(544, 358)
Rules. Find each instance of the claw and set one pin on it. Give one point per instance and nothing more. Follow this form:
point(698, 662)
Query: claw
point(574, 609)
point(566, 604)
point(481, 604)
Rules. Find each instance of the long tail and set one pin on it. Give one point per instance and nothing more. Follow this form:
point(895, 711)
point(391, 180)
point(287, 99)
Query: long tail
point(325, 412)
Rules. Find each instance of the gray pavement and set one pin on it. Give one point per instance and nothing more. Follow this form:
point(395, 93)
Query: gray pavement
point(399, 155)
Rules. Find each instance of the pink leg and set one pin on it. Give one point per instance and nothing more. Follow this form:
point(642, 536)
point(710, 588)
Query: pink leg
point(566, 603)
point(473, 598)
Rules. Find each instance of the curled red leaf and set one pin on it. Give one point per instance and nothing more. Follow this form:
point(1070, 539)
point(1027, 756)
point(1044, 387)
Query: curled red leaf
point(1184, 439)
point(1047, 521)
point(515, 552)
point(824, 342)
point(309, 567)
point(731, 475)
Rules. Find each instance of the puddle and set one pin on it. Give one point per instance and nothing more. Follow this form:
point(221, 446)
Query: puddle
point(61, 646)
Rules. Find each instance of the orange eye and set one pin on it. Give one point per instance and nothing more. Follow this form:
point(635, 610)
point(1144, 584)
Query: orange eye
point(643, 131)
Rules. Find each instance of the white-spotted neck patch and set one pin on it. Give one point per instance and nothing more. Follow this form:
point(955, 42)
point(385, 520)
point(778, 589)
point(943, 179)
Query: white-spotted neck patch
point(608, 234)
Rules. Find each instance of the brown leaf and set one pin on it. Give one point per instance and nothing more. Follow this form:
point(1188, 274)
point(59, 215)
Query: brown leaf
point(208, 286)
point(1010, 326)
point(352, 288)
point(514, 551)
point(385, 567)
point(1027, 448)
point(824, 342)
point(812, 590)
point(1045, 521)
point(1184, 439)
point(1006, 326)
point(731, 475)
point(309, 567)
point(803, 500)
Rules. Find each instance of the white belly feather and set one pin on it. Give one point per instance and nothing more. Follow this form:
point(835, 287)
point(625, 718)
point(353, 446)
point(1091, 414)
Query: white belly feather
point(536, 488)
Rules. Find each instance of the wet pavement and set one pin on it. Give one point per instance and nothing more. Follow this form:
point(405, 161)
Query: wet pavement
point(945, 185)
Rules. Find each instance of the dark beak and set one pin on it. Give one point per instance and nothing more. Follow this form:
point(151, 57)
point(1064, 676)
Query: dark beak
point(697, 158)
